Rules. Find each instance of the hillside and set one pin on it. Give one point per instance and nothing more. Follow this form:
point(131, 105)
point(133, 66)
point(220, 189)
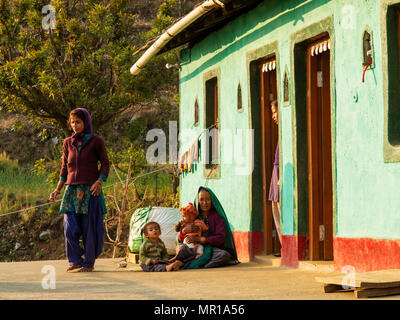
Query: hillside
point(38, 234)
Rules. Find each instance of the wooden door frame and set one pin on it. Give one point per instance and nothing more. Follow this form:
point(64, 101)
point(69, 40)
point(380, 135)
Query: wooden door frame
point(253, 57)
point(328, 189)
point(299, 41)
point(320, 194)
point(268, 222)
point(312, 135)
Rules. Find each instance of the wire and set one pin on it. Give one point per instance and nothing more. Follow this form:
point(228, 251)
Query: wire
point(26, 209)
point(48, 203)
point(365, 69)
point(140, 176)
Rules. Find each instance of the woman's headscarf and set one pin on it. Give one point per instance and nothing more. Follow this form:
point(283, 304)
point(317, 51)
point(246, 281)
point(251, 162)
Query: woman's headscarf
point(229, 244)
point(88, 126)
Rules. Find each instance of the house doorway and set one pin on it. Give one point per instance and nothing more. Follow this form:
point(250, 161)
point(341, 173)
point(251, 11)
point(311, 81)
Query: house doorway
point(319, 154)
point(269, 140)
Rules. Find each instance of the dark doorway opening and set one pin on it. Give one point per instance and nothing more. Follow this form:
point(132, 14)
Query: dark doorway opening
point(269, 141)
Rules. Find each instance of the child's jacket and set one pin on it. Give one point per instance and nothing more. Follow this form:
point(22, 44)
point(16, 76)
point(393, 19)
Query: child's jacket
point(149, 251)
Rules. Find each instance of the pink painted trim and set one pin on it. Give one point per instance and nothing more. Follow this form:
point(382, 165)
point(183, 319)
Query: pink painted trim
point(366, 254)
point(293, 250)
point(247, 244)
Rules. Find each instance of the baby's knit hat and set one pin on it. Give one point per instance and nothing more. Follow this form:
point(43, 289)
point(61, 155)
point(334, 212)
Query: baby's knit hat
point(189, 209)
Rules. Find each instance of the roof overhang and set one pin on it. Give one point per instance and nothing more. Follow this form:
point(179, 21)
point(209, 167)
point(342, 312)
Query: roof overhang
point(204, 19)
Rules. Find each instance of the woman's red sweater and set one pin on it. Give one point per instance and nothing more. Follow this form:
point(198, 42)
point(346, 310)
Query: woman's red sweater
point(82, 167)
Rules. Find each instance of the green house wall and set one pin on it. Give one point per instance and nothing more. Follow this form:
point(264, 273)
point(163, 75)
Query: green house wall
point(366, 171)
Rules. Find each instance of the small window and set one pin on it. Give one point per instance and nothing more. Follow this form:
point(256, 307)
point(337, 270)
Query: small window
point(286, 96)
point(393, 56)
point(196, 113)
point(239, 98)
point(367, 49)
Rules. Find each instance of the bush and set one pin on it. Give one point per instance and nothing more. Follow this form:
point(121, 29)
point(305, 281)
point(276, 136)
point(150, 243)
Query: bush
point(50, 166)
point(136, 129)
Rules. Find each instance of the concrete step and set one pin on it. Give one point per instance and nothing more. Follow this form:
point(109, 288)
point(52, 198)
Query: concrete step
point(321, 266)
point(269, 260)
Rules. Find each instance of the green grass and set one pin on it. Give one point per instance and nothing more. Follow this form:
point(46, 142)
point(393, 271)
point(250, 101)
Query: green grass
point(22, 180)
point(21, 188)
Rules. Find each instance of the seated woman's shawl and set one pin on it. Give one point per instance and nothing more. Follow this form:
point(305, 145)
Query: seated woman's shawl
point(229, 244)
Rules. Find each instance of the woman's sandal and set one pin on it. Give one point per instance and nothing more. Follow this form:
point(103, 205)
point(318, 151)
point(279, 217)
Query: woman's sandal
point(74, 266)
point(85, 269)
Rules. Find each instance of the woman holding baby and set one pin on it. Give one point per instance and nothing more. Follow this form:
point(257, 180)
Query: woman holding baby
point(218, 236)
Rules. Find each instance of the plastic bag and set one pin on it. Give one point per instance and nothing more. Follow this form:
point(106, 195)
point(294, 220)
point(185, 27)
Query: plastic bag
point(167, 218)
point(138, 220)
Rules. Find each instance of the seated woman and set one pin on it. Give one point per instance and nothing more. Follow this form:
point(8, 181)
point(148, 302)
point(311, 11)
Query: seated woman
point(220, 248)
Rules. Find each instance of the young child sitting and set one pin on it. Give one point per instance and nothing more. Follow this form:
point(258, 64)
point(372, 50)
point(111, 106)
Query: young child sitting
point(153, 254)
point(189, 215)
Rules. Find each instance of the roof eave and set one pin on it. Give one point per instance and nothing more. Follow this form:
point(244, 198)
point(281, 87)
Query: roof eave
point(209, 16)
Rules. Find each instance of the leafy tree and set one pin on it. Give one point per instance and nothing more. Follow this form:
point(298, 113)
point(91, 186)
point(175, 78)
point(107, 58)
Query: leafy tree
point(83, 62)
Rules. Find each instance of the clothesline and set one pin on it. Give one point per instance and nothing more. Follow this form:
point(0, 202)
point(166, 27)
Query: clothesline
point(48, 203)
point(140, 176)
point(190, 156)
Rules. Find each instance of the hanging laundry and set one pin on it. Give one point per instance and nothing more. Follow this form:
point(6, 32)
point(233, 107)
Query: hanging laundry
point(193, 154)
point(189, 157)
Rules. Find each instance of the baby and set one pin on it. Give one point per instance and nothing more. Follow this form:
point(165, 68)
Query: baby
point(153, 254)
point(189, 215)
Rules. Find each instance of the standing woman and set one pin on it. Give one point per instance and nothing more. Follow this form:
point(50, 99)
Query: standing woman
point(274, 186)
point(83, 202)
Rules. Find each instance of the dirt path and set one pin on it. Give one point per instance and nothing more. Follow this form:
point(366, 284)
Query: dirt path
point(246, 281)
